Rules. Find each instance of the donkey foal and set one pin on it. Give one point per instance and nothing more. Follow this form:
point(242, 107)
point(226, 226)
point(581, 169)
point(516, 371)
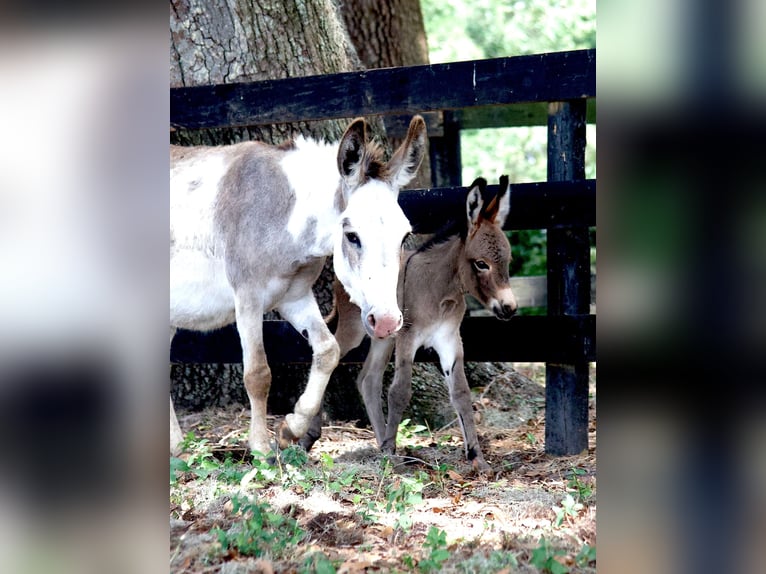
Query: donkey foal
point(468, 256)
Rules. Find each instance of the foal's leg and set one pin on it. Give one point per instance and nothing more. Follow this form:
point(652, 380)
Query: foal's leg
point(449, 347)
point(257, 374)
point(370, 384)
point(400, 391)
point(303, 314)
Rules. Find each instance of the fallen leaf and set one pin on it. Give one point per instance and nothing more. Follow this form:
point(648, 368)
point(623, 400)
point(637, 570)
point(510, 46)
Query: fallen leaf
point(455, 476)
point(566, 560)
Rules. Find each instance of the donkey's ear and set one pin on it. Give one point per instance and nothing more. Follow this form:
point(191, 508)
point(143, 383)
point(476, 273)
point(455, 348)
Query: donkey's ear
point(504, 199)
point(351, 149)
point(474, 202)
point(405, 162)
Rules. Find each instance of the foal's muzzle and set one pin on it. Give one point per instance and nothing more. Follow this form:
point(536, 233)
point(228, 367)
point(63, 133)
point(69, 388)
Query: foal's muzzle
point(503, 311)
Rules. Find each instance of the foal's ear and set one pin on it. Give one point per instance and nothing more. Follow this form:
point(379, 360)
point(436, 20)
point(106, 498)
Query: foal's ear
point(497, 209)
point(474, 202)
point(405, 162)
point(351, 149)
point(504, 201)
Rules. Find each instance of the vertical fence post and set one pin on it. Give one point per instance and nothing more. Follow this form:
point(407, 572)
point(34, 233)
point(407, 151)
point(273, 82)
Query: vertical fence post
point(568, 250)
point(446, 166)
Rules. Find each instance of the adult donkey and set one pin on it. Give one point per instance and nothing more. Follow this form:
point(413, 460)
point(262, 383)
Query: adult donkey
point(470, 255)
point(250, 228)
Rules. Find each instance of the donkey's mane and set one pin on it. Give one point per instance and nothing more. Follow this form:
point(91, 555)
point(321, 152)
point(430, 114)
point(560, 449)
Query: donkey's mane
point(452, 228)
point(372, 165)
point(458, 226)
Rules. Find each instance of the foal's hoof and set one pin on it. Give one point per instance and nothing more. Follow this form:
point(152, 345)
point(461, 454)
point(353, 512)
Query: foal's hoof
point(285, 436)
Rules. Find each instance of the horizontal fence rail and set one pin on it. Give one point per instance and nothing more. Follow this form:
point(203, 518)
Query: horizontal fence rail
point(533, 205)
point(534, 338)
point(402, 90)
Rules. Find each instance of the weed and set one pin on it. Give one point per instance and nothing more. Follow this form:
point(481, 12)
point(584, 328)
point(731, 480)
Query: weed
point(436, 543)
point(200, 460)
point(584, 490)
point(531, 438)
point(586, 556)
point(408, 434)
point(569, 508)
point(403, 494)
point(261, 530)
point(317, 563)
point(544, 558)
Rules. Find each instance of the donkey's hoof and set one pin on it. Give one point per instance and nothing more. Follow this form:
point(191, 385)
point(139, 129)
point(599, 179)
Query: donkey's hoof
point(285, 436)
point(481, 467)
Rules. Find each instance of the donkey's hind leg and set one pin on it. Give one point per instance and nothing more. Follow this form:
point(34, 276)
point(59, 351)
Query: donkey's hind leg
point(449, 347)
point(303, 314)
point(176, 436)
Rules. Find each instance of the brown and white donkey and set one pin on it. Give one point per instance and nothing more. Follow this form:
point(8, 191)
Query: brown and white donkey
point(470, 255)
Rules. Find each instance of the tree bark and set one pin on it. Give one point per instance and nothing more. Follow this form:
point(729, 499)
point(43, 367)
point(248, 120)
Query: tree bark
point(222, 42)
point(389, 33)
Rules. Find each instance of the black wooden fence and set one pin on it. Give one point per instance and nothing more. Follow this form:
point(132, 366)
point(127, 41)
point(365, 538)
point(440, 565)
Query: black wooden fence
point(559, 88)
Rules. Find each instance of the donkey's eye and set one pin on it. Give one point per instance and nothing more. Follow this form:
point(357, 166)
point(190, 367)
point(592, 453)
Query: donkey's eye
point(480, 265)
point(353, 239)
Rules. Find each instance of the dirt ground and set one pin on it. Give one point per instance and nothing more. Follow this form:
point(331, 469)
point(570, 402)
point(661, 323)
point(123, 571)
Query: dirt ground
point(349, 509)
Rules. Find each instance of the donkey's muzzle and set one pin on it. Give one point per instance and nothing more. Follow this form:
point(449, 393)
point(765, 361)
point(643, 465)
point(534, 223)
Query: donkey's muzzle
point(384, 325)
point(504, 311)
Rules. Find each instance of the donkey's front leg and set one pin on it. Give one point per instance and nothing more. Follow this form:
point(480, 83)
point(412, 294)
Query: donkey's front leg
point(304, 315)
point(449, 347)
point(400, 391)
point(257, 374)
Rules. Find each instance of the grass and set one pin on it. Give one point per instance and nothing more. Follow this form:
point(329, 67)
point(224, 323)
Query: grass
point(346, 507)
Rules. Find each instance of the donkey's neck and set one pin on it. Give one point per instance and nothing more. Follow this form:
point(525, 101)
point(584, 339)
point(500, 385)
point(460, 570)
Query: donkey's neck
point(440, 263)
point(311, 169)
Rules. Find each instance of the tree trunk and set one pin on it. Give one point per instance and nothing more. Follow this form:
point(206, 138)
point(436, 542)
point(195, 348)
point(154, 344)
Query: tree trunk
point(389, 33)
point(222, 42)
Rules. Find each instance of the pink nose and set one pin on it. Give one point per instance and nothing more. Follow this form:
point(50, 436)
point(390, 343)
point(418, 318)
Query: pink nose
point(385, 325)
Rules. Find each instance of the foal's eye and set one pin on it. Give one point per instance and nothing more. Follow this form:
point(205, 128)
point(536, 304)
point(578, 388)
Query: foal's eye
point(353, 239)
point(480, 265)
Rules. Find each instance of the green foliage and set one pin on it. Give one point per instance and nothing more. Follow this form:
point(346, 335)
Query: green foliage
point(586, 556)
point(436, 544)
point(583, 490)
point(475, 29)
point(202, 463)
point(569, 508)
point(408, 434)
point(317, 563)
point(543, 558)
point(402, 495)
point(465, 30)
point(260, 531)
